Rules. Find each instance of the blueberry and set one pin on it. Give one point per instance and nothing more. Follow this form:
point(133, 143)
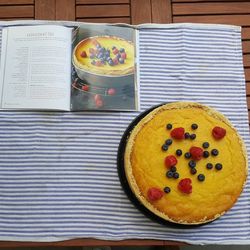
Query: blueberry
point(209, 166)
point(187, 135)
point(178, 152)
point(169, 174)
point(214, 152)
point(194, 126)
point(118, 55)
point(218, 166)
point(167, 190)
point(176, 175)
point(98, 46)
point(169, 126)
point(192, 164)
point(201, 177)
point(193, 171)
point(109, 59)
point(121, 60)
point(113, 47)
point(164, 147)
point(122, 50)
point(205, 145)
point(173, 169)
point(107, 54)
point(206, 154)
point(110, 62)
point(187, 155)
point(168, 142)
point(192, 136)
point(100, 55)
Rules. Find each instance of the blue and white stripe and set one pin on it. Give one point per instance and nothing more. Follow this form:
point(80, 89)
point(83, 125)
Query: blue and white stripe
point(58, 177)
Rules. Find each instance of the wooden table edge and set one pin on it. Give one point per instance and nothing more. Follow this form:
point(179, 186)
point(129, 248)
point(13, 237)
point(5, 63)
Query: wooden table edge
point(91, 242)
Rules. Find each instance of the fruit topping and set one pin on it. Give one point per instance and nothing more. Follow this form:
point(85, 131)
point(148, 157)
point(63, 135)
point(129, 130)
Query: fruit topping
point(206, 154)
point(187, 135)
point(164, 147)
point(121, 60)
point(111, 91)
point(214, 152)
point(187, 155)
point(194, 126)
point(178, 152)
point(169, 174)
point(170, 161)
point(205, 145)
point(155, 194)
point(99, 103)
point(209, 166)
point(192, 136)
point(167, 190)
point(115, 51)
point(168, 142)
point(218, 133)
point(193, 171)
point(85, 87)
point(201, 177)
point(185, 186)
point(196, 153)
point(176, 175)
point(169, 126)
point(218, 166)
point(98, 63)
point(83, 54)
point(103, 55)
point(192, 164)
point(173, 169)
point(177, 133)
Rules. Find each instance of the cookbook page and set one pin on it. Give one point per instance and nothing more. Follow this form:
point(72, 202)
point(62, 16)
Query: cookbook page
point(104, 68)
point(36, 67)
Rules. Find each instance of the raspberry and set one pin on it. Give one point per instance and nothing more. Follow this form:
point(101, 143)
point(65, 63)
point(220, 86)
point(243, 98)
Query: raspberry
point(196, 153)
point(170, 161)
point(155, 194)
point(83, 54)
point(218, 133)
point(111, 91)
point(185, 186)
point(177, 133)
point(96, 43)
point(123, 55)
point(99, 103)
point(85, 87)
point(98, 63)
point(97, 97)
point(115, 61)
point(115, 51)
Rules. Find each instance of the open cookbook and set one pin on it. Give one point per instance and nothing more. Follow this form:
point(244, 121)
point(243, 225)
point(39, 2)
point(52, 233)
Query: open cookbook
point(84, 67)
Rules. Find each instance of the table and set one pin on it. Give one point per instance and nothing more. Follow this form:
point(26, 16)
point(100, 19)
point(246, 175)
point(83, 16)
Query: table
point(134, 12)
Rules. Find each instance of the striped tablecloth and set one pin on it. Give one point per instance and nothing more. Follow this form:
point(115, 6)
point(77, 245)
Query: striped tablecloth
point(58, 175)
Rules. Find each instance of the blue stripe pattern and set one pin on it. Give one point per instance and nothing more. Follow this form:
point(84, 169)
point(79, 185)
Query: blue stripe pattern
point(58, 177)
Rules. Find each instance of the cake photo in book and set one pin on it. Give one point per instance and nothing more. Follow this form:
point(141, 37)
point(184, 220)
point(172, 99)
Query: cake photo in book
point(71, 68)
point(103, 68)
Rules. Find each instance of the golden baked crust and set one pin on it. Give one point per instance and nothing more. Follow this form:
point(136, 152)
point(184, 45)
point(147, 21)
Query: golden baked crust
point(107, 42)
point(144, 164)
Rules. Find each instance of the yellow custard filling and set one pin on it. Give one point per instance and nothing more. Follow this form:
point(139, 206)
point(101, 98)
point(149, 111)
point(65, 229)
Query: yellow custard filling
point(107, 42)
point(209, 198)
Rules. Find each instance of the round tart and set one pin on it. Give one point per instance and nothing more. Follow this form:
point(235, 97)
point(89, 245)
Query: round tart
point(105, 55)
point(186, 163)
